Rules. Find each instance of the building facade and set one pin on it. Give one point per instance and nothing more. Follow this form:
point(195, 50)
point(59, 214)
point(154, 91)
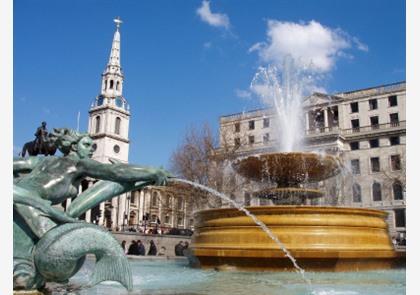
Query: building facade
point(366, 128)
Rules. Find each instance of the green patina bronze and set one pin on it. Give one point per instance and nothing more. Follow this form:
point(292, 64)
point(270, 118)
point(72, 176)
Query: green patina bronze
point(51, 245)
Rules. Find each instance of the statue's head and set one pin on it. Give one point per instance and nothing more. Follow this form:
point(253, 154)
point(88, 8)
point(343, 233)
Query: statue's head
point(44, 124)
point(68, 140)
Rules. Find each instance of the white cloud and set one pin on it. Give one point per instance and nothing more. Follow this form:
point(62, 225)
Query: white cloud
point(242, 93)
point(312, 45)
point(207, 45)
point(213, 19)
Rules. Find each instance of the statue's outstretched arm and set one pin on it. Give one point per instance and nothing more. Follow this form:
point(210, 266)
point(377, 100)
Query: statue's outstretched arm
point(99, 192)
point(25, 164)
point(120, 172)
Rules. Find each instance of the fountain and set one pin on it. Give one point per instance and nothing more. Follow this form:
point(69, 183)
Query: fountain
point(320, 238)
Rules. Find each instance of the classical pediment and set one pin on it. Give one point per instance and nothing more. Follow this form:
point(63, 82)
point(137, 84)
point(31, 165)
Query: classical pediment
point(319, 99)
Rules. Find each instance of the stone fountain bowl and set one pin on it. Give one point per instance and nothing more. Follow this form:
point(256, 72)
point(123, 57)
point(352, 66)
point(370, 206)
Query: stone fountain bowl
point(320, 238)
point(288, 169)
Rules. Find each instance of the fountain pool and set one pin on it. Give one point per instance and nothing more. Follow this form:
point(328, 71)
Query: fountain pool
point(176, 277)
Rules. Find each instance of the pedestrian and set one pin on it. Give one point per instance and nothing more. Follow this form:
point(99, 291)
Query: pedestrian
point(133, 249)
point(152, 249)
point(140, 248)
point(185, 248)
point(123, 245)
point(179, 248)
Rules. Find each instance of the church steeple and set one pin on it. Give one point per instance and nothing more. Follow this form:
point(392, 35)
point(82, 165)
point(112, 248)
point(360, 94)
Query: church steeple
point(109, 115)
point(113, 77)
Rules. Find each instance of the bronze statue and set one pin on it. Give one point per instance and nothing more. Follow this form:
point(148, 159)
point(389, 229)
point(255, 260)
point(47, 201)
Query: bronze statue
point(41, 145)
point(49, 244)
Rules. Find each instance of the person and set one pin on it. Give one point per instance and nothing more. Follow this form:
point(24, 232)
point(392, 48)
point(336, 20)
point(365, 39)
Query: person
point(133, 249)
point(152, 249)
point(124, 246)
point(51, 180)
point(41, 134)
point(185, 249)
point(140, 248)
point(179, 248)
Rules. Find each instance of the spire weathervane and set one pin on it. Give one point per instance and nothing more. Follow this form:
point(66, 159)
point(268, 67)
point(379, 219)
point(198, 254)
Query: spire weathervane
point(118, 22)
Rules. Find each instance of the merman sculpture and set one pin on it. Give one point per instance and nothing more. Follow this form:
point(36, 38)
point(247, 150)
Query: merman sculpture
point(51, 245)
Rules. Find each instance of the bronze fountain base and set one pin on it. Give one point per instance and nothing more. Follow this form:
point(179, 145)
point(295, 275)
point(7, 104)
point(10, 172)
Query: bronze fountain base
point(320, 238)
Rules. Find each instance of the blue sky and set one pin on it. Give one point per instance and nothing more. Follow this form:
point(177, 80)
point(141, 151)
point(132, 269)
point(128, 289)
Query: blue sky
point(183, 67)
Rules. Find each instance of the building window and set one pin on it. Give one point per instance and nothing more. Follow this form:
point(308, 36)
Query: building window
point(355, 166)
point(374, 122)
point(355, 125)
point(394, 140)
point(392, 101)
point(395, 162)
point(97, 124)
point(376, 191)
point(117, 125)
point(266, 122)
point(251, 139)
point(180, 203)
point(237, 127)
point(399, 217)
point(111, 84)
point(395, 121)
point(397, 189)
point(251, 125)
point(357, 193)
point(167, 219)
point(117, 86)
point(247, 199)
point(374, 143)
point(354, 145)
point(266, 137)
point(180, 221)
point(373, 104)
point(154, 199)
point(237, 141)
point(354, 106)
point(133, 197)
point(154, 218)
point(106, 84)
point(375, 164)
point(94, 147)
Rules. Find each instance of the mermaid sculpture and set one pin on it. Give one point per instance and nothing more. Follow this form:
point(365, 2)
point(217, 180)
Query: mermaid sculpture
point(51, 245)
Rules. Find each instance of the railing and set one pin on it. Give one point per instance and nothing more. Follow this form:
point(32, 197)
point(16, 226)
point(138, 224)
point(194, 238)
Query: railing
point(356, 130)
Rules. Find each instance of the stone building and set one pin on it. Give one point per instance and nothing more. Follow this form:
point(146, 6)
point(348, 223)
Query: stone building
point(109, 119)
point(366, 128)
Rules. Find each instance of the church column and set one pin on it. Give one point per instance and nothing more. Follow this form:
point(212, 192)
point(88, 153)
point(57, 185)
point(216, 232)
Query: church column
point(102, 210)
point(326, 125)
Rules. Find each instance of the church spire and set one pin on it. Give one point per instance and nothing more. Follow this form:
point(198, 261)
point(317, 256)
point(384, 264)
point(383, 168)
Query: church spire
point(114, 58)
point(113, 77)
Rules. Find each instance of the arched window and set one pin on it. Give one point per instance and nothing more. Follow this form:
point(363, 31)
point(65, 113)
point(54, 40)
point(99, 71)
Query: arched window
point(97, 124)
point(398, 190)
point(357, 193)
point(376, 191)
point(111, 84)
point(118, 85)
point(106, 84)
point(117, 125)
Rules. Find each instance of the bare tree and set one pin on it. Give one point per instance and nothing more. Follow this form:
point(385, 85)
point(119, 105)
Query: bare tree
point(199, 159)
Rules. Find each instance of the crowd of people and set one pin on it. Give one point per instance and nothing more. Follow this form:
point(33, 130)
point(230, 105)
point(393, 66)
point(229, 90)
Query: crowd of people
point(139, 249)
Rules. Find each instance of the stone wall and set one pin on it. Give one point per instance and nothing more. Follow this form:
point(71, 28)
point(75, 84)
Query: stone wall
point(166, 241)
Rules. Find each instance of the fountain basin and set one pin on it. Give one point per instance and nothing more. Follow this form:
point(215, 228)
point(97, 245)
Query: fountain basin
point(320, 238)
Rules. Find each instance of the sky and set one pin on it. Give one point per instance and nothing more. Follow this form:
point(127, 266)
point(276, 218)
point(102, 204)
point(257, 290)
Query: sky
point(189, 62)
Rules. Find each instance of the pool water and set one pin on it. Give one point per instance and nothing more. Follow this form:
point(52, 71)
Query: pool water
point(166, 277)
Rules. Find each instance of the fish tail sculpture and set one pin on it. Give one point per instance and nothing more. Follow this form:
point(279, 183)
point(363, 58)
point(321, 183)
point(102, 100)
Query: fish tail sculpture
point(60, 253)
